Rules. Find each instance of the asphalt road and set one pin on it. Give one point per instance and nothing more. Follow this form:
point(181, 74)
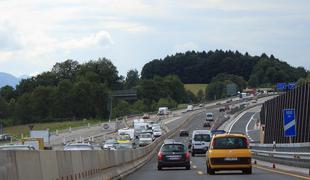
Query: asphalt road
point(198, 170)
point(246, 124)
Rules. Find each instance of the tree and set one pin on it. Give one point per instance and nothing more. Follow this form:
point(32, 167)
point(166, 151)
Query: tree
point(4, 109)
point(41, 101)
point(191, 98)
point(82, 103)
point(121, 109)
point(216, 90)
point(66, 69)
point(167, 102)
point(200, 96)
point(104, 68)
point(8, 93)
point(62, 100)
point(132, 79)
point(23, 109)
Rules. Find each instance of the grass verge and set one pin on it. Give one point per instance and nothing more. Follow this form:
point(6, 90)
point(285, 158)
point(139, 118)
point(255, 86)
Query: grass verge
point(194, 88)
point(52, 126)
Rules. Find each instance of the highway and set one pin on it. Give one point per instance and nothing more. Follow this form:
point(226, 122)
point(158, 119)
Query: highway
point(198, 171)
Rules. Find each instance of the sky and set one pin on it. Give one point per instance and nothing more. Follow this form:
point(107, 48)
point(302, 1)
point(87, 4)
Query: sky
point(35, 34)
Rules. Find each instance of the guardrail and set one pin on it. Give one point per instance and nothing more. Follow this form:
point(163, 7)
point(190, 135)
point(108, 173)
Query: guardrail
point(97, 164)
point(296, 159)
point(287, 147)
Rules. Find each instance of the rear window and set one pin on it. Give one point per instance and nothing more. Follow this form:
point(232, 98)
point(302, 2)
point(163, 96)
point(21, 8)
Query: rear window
point(230, 143)
point(202, 137)
point(209, 115)
point(173, 148)
point(146, 135)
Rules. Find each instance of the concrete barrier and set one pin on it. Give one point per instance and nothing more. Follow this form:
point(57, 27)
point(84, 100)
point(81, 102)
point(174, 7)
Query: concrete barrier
point(71, 165)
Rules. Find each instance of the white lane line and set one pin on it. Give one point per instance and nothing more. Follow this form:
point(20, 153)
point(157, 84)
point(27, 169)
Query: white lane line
point(171, 120)
point(236, 120)
point(247, 126)
point(200, 172)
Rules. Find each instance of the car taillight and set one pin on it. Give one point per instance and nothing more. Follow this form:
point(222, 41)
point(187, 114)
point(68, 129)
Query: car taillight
point(160, 156)
point(212, 145)
point(247, 143)
point(187, 155)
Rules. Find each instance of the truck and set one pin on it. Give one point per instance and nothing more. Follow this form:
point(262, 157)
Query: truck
point(44, 134)
point(36, 143)
point(163, 111)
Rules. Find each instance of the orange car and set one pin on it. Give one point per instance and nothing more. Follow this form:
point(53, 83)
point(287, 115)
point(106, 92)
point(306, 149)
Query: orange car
point(229, 152)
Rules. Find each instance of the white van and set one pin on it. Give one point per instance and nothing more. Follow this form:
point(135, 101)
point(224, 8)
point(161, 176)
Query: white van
point(163, 111)
point(209, 116)
point(200, 141)
point(190, 108)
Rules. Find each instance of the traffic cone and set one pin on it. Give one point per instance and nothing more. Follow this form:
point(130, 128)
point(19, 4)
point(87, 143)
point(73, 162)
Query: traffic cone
point(273, 166)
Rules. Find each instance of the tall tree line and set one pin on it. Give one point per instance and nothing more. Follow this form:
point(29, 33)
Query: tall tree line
point(201, 67)
point(72, 91)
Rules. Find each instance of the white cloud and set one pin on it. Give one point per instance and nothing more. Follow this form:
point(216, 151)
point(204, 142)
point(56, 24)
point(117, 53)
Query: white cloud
point(188, 46)
point(9, 38)
point(35, 33)
point(99, 40)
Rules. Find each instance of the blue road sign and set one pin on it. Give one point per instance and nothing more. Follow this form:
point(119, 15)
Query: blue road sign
point(281, 86)
point(289, 122)
point(291, 85)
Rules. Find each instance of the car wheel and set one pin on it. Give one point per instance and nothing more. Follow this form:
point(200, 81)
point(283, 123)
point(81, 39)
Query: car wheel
point(210, 170)
point(247, 171)
point(188, 167)
point(159, 168)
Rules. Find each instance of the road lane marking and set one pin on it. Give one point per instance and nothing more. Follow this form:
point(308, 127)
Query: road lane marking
point(171, 120)
point(247, 126)
point(200, 172)
point(236, 120)
point(194, 167)
point(281, 172)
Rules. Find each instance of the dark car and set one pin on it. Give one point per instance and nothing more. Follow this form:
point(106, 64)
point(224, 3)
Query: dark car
point(173, 154)
point(184, 133)
point(207, 124)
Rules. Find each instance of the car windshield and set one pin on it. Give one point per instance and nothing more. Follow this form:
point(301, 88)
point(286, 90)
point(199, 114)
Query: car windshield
point(173, 148)
point(146, 136)
point(230, 143)
point(209, 115)
point(202, 137)
point(125, 137)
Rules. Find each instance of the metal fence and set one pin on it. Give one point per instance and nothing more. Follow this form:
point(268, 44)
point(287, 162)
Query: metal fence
point(272, 115)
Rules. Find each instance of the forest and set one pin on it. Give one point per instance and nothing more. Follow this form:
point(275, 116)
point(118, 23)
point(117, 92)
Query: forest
point(74, 91)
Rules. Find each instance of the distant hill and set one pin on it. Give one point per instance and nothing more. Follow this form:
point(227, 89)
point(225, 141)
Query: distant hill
point(201, 67)
point(8, 79)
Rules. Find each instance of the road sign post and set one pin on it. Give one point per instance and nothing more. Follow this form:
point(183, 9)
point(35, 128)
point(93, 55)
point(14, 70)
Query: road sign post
point(289, 122)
